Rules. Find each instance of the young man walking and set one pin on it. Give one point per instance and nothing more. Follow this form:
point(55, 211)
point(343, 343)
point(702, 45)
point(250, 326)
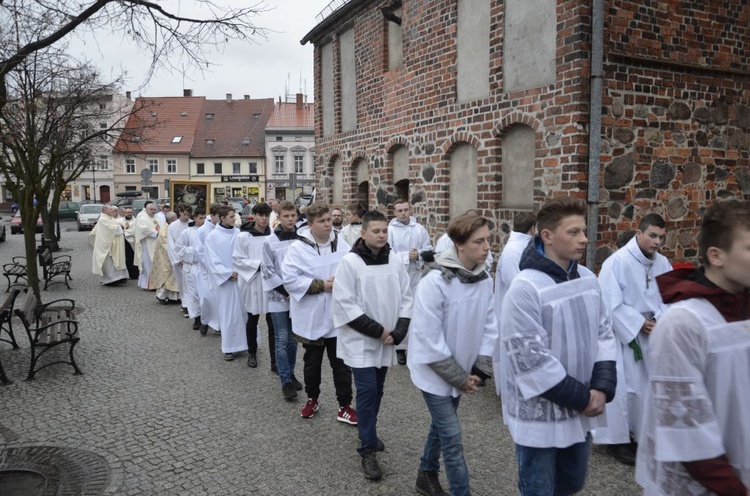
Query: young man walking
point(408, 239)
point(173, 233)
point(230, 309)
point(247, 256)
point(274, 250)
point(696, 422)
point(188, 254)
point(560, 354)
point(628, 282)
point(308, 272)
point(371, 311)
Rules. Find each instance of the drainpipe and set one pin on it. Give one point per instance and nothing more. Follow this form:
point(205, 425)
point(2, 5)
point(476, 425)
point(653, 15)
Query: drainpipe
point(595, 127)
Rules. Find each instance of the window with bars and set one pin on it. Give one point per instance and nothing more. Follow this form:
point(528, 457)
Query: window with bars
point(278, 164)
point(130, 166)
point(153, 165)
point(299, 163)
point(171, 166)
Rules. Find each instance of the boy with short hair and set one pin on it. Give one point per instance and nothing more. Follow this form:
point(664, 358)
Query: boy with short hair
point(308, 273)
point(371, 311)
point(696, 425)
point(352, 231)
point(560, 354)
point(188, 253)
point(628, 282)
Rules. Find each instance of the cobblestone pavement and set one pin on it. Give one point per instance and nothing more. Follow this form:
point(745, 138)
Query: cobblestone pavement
point(170, 416)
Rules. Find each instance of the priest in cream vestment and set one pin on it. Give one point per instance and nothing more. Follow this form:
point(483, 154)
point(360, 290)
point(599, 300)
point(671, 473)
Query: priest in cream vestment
point(146, 231)
point(108, 241)
point(162, 277)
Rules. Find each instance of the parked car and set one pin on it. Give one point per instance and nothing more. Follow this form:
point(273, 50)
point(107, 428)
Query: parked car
point(89, 215)
point(68, 210)
point(247, 213)
point(238, 199)
point(126, 198)
point(17, 228)
point(303, 200)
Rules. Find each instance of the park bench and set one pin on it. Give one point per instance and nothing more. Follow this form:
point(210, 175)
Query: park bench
point(49, 325)
point(54, 267)
point(17, 271)
point(6, 326)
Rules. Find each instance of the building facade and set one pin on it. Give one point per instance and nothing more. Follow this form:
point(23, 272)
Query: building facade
point(155, 147)
point(499, 105)
point(290, 149)
point(229, 149)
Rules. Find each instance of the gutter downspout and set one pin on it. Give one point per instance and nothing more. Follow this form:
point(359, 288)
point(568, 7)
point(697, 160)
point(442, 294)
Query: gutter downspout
point(595, 128)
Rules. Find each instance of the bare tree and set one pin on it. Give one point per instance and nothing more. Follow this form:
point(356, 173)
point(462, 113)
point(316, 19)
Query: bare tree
point(166, 37)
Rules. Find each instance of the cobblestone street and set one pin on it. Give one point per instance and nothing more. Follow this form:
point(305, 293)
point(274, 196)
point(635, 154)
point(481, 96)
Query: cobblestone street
point(170, 416)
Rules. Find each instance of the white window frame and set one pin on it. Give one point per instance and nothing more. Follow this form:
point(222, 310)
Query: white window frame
point(299, 164)
point(128, 163)
point(236, 168)
point(171, 161)
point(279, 164)
point(153, 165)
point(221, 168)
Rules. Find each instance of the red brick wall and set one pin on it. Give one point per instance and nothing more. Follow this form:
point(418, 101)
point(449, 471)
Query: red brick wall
point(677, 98)
point(682, 117)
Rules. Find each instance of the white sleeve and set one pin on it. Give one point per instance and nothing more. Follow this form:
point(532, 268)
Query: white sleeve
point(296, 282)
point(526, 343)
point(427, 335)
point(220, 272)
point(626, 320)
point(245, 266)
point(407, 298)
point(344, 302)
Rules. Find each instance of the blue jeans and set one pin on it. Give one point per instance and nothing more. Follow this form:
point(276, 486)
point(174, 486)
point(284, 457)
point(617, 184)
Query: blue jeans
point(369, 382)
point(286, 346)
point(445, 436)
point(553, 471)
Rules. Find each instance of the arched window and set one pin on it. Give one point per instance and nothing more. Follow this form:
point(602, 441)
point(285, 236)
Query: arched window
point(463, 179)
point(519, 150)
point(400, 157)
point(362, 185)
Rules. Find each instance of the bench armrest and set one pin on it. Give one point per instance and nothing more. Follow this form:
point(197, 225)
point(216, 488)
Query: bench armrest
point(8, 266)
point(61, 258)
point(71, 323)
point(42, 308)
point(19, 260)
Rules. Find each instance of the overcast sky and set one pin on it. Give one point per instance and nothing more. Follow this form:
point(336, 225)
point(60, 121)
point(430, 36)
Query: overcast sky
point(261, 70)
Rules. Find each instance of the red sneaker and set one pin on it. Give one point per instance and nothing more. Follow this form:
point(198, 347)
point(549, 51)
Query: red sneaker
point(347, 415)
point(310, 408)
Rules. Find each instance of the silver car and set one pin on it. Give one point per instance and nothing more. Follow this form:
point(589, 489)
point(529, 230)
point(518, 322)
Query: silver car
point(89, 215)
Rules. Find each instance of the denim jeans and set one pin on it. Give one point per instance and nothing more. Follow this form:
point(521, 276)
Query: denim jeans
point(369, 382)
point(286, 346)
point(552, 471)
point(445, 436)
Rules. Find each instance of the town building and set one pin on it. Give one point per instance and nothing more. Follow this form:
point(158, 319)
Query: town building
point(155, 146)
point(498, 105)
point(97, 183)
point(290, 148)
point(229, 149)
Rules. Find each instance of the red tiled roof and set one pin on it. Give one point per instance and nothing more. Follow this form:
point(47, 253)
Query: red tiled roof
point(157, 121)
point(231, 125)
point(286, 115)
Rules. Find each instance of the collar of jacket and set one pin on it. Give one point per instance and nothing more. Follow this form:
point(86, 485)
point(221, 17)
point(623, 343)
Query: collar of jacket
point(370, 258)
point(285, 235)
point(313, 244)
point(534, 258)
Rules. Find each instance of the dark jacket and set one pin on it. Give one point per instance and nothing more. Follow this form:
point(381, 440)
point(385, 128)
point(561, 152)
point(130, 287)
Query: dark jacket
point(570, 393)
point(363, 323)
point(249, 227)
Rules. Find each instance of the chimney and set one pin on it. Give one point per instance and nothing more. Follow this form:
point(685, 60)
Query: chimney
point(127, 95)
point(299, 101)
point(187, 92)
point(247, 97)
point(229, 98)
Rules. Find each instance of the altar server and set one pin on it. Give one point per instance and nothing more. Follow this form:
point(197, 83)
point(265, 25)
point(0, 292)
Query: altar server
point(187, 252)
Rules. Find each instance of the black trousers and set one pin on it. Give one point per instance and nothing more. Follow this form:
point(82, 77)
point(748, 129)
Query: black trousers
point(133, 271)
point(252, 335)
point(313, 363)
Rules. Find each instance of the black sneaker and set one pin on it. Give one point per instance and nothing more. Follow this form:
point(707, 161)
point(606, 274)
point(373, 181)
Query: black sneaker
point(228, 357)
point(252, 360)
point(197, 323)
point(203, 329)
point(288, 391)
point(185, 312)
point(370, 466)
point(274, 369)
point(297, 384)
point(428, 484)
point(380, 446)
point(401, 357)
point(623, 453)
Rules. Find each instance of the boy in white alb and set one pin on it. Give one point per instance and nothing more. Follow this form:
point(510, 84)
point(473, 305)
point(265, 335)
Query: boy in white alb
point(408, 239)
point(230, 310)
point(187, 253)
point(371, 311)
point(628, 282)
point(560, 354)
point(308, 272)
point(696, 422)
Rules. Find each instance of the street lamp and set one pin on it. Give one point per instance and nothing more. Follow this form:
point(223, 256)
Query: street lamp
point(93, 178)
